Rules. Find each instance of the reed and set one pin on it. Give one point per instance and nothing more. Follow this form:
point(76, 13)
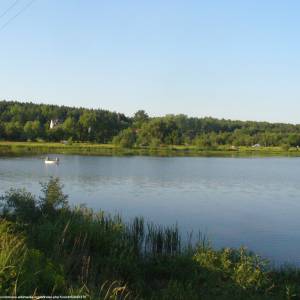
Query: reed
point(12, 255)
point(44, 148)
point(75, 251)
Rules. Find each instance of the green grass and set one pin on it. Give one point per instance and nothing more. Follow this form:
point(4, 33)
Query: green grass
point(12, 255)
point(31, 148)
point(48, 248)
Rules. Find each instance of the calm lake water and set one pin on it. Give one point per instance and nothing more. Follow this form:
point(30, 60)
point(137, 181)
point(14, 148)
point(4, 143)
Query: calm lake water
point(233, 201)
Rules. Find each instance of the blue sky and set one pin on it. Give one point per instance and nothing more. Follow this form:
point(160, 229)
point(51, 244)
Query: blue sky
point(226, 59)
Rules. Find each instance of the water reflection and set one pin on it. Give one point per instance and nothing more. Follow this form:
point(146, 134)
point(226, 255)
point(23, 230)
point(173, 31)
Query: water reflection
point(235, 201)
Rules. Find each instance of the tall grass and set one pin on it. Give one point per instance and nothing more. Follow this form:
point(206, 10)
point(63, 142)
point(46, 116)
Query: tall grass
point(51, 249)
point(12, 254)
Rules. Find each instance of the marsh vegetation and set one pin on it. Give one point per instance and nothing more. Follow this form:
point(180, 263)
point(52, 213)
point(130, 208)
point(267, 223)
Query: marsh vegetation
point(49, 248)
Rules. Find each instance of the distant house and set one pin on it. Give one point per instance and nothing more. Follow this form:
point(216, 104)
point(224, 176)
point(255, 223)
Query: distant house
point(256, 146)
point(54, 123)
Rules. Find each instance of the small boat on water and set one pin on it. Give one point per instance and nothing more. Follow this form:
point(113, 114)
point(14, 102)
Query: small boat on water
point(51, 161)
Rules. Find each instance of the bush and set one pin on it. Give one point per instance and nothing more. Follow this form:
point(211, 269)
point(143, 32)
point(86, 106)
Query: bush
point(285, 147)
point(53, 197)
point(126, 138)
point(236, 270)
point(19, 205)
point(40, 275)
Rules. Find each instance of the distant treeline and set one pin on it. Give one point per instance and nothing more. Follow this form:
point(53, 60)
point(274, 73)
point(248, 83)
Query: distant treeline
point(28, 121)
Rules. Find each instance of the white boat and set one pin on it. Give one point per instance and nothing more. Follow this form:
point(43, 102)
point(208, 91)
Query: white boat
point(51, 161)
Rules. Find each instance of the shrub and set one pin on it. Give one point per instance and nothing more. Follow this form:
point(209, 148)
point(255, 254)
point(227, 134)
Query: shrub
point(19, 205)
point(41, 275)
point(233, 268)
point(53, 197)
point(126, 138)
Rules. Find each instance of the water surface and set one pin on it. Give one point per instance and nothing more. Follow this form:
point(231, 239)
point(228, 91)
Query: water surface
point(234, 201)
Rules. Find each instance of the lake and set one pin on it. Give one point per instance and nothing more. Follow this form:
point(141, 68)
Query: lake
point(233, 201)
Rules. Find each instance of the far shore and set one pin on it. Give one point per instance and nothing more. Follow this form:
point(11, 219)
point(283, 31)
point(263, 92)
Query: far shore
point(32, 148)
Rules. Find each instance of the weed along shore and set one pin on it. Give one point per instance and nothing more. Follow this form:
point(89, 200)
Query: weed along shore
point(50, 248)
point(32, 148)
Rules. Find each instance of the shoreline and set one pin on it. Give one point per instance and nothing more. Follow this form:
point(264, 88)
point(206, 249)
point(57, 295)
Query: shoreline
point(32, 148)
point(55, 245)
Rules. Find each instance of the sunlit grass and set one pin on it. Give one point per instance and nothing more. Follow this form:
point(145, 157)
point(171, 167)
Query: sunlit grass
point(31, 148)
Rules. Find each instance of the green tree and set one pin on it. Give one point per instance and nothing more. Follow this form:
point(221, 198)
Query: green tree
point(294, 140)
point(87, 122)
point(56, 134)
point(139, 118)
point(19, 205)
point(32, 129)
point(126, 138)
point(204, 141)
point(53, 197)
point(70, 128)
point(13, 130)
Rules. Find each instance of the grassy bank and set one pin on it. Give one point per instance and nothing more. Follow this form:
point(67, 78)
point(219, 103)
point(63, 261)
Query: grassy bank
point(28, 148)
point(48, 248)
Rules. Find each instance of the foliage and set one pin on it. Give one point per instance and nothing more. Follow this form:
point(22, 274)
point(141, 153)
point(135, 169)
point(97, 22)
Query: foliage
point(234, 269)
point(40, 275)
point(32, 129)
point(53, 197)
point(62, 251)
point(28, 121)
point(18, 205)
point(126, 138)
point(294, 140)
point(23, 121)
point(12, 254)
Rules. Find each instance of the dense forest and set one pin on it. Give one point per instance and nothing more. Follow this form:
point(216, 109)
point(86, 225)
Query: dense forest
point(34, 122)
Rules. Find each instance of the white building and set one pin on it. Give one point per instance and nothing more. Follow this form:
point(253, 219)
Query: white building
point(53, 123)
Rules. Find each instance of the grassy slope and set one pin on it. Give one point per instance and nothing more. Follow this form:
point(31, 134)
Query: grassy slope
point(110, 149)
